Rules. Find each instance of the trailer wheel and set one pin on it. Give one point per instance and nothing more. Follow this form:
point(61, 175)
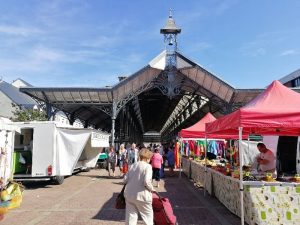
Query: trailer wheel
point(58, 180)
point(88, 169)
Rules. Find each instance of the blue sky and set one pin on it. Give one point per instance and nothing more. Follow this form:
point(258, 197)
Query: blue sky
point(91, 43)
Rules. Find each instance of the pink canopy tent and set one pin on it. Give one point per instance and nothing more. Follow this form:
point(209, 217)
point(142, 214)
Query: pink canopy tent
point(198, 129)
point(276, 111)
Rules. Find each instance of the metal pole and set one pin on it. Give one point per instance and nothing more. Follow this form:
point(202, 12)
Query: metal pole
point(49, 111)
point(205, 170)
point(180, 158)
point(113, 120)
point(241, 175)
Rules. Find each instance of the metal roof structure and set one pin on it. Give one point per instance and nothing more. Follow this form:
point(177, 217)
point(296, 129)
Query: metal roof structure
point(200, 90)
point(169, 93)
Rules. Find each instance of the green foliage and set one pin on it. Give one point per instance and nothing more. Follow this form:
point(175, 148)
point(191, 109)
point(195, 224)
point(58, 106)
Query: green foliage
point(25, 115)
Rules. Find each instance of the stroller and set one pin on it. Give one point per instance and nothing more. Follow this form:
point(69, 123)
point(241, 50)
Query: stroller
point(162, 209)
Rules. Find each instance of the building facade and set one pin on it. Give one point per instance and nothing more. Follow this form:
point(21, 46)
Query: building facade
point(291, 80)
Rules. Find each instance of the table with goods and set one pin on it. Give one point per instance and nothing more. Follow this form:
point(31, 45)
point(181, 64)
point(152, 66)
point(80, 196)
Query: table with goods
point(266, 200)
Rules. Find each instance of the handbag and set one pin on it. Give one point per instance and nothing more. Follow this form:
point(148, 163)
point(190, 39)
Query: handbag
point(120, 201)
point(125, 168)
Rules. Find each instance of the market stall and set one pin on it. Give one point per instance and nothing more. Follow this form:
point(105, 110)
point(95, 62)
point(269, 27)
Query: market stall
point(208, 150)
point(274, 112)
point(194, 142)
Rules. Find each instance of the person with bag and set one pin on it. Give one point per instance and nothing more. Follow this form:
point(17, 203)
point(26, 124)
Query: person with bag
point(123, 158)
point(138, 190)
point(112, 161)
point(156, 162)
point(133, 153)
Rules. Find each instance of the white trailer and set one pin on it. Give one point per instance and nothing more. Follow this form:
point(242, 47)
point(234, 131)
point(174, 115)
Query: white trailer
point(44, 151)
point(7, 134)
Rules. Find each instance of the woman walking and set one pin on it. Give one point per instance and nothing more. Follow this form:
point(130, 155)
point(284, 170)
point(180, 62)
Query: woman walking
point(156, 162)
point(138, 190)
point(123, 159)
point(171, 160)
point(112, 161)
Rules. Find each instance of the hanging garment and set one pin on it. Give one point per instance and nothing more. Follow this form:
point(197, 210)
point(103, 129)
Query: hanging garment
point(212, 147)
point(187, 148)
point(201, 145)
point(192, 147)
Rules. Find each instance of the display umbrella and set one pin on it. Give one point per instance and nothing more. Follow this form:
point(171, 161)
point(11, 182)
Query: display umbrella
point(274, 112)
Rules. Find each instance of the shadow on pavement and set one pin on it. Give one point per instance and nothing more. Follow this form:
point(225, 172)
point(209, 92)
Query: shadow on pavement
point(31, 185)
point(108, 212)
point(191, 207)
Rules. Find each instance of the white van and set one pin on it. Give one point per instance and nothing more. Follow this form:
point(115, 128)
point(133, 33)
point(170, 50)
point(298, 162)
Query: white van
point(44, 151)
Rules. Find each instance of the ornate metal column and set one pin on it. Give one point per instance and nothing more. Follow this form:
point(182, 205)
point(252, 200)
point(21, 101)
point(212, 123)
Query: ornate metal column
point(113, 121)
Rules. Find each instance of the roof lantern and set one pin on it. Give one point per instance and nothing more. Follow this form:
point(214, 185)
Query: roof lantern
point(170, 27)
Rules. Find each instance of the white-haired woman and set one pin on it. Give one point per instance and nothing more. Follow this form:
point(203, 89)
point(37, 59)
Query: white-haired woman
point(122, 158)
point(138, 190)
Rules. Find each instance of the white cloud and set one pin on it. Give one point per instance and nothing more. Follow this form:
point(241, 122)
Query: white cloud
point(47, 54)
point(290, 52)
point(19, 30)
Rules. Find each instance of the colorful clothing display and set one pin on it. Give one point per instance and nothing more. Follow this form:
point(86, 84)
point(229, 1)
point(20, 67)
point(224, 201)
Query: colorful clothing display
point(197, 148)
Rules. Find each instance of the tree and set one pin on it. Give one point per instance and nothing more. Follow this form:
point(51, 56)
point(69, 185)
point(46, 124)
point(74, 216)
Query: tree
point(22, 114)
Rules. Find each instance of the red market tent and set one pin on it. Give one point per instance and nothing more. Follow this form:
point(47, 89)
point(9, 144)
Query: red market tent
point(198, 129)
point(276, 111)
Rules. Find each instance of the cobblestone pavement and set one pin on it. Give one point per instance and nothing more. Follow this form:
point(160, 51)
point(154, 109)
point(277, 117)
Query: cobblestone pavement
point(88, 198)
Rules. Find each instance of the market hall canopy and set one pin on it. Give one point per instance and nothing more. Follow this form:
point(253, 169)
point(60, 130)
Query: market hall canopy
point(144, 90)
point(274, 112)
point(169, 93)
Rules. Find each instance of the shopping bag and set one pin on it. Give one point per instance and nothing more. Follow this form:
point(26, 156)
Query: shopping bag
point(13, 190)
point(120, 202)
point(4, 207)
point(15, 202)
point(125, 168)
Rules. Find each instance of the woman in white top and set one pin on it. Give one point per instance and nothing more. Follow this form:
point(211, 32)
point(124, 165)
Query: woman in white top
point(122, 158)
point(138, 190)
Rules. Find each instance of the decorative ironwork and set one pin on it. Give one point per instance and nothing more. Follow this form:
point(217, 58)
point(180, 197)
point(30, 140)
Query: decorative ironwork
point(167, 83)
point(120, 104)
point(106, 109)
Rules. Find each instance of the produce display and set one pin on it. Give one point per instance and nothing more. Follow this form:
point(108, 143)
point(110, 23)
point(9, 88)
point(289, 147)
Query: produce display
point(224, 167)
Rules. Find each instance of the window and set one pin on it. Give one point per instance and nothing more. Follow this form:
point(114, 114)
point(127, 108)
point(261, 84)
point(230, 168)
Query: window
point(296, 82)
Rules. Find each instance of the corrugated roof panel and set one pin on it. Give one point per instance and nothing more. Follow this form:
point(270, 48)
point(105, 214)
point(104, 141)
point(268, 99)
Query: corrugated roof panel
point(67, 96)
point(76, 96)
point(85, 96)
point(58, 96)
point(94, 96)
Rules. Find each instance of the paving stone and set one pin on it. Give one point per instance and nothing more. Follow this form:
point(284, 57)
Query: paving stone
point(88, 199)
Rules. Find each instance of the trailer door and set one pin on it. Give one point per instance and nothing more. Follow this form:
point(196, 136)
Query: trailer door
point(42, 149)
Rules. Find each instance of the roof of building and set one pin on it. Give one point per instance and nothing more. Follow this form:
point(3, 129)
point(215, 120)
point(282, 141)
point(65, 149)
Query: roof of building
point(15, 95)
point(290, 77)
point(89, 103)
point(20, 83)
